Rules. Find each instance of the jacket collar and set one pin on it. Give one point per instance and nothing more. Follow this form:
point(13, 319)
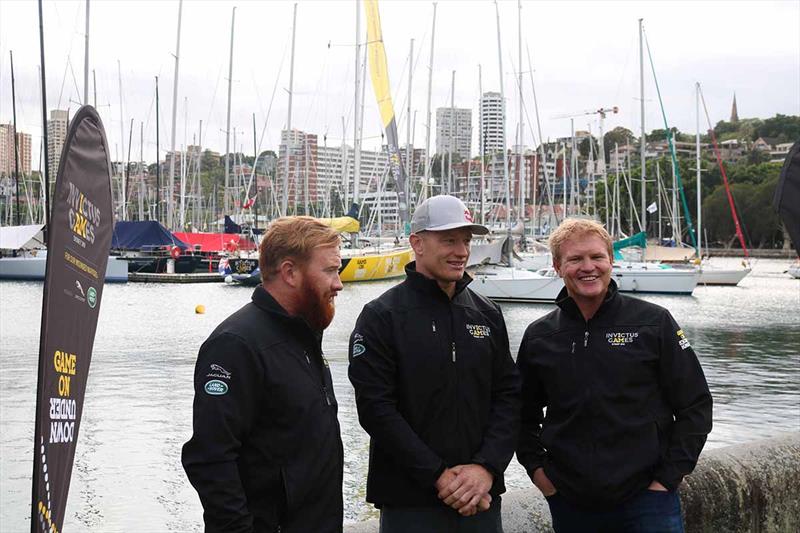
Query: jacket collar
point(266, 302)
point(568, 305)
point(430, 286)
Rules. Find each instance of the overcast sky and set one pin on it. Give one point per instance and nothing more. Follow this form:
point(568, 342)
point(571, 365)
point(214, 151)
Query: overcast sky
point(584, 56)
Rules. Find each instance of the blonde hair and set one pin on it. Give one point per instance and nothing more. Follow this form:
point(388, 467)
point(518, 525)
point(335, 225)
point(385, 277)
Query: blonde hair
point(292, 238)
point(577, 227)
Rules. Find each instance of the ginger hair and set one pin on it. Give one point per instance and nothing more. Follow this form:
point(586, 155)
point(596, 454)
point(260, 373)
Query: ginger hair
point(578, 227)
point(292, 238)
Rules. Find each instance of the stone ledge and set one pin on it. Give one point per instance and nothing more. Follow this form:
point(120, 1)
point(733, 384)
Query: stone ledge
point(752, 487)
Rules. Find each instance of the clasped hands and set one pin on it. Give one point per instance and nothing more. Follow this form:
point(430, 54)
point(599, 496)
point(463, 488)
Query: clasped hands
point(465, 488)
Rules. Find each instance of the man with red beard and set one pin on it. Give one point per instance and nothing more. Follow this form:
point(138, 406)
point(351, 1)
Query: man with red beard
point(266, 452)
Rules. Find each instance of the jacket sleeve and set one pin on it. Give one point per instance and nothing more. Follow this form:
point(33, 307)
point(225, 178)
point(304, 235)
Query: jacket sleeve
point(686, 390)
point(372, 372)
point(530, 451)
point(223, 412)
point(500, 436)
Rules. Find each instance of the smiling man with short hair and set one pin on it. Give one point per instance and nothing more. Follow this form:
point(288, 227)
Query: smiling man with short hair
point(628, 407)
point(436, 387)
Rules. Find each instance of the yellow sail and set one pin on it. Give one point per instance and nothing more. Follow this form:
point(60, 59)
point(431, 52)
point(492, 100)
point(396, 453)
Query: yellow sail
point(342, 224)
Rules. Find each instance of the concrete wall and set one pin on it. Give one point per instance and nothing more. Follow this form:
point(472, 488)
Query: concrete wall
point(753, 487)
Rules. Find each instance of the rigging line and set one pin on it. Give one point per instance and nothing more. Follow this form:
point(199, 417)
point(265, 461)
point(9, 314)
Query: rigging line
point(687, 216)
point(69, 51)
point(724, 175)
point(315, 94)
point(630, 48)
point(266, 121)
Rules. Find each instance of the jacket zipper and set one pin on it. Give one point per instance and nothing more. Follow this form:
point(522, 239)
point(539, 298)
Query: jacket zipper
point(454, 351)
point(586, 338)
point(324, 387)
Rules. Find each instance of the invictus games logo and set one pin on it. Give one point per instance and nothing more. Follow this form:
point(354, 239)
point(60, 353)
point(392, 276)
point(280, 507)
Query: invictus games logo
point(682, 340)
point(84, 216)
point(91, 297)
point(478, 331)
point(621, 338)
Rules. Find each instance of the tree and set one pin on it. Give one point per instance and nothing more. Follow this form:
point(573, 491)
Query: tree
point(618, 135)
point(584, 145)
point(784, 128)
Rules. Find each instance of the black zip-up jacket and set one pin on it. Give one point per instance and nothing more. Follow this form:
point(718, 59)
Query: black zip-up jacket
point(627, 402)
point(266, 450)
point(435, 387)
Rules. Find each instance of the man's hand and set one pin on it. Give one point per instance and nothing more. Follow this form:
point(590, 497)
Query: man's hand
point(468, 492)
point(543, 482)
point(655, 485)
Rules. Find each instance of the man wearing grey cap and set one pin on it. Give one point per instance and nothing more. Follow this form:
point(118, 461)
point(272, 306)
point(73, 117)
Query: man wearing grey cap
point(436, 387)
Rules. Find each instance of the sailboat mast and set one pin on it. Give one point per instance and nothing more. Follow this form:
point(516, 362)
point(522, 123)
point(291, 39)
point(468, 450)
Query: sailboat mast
point(449, 182)
point(697, 169)
point(86, 59)
point(424, 189)
point(184, 162)
point(409, 149)
point(141, 170)
point(228, 120)
point(158, 162)
point(520, 148)
point(481, 138)
point(505, 157)
point(643, 141)
point(122, 176)
point(16, 141)
point(288, 142)
point(357, 111)
point(44, 129)
point(174, 120)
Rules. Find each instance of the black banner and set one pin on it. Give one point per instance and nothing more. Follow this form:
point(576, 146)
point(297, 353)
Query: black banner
point(79, 238)
point(787, 195)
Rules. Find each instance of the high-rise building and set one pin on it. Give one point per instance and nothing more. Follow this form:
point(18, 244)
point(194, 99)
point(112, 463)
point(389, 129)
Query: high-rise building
point(302, 152)
point(7, 162)
point(454, 131)
point(492, 117)
point(24, 143)
point(56, 137)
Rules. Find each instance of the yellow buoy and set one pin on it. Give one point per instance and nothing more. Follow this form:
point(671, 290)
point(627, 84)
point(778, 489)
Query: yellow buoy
point(200, 309)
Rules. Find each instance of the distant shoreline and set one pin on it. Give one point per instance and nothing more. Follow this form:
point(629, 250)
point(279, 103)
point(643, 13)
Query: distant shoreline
point(770, 253)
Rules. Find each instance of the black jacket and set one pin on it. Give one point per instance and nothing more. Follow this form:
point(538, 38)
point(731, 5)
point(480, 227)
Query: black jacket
point(627, 402)
point(266, 449)
point(435, 387)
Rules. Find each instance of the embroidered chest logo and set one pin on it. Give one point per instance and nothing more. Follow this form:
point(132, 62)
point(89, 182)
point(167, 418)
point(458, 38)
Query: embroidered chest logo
point(218, 372)
point(478, 331)
point(621, 338)
point(682, 340)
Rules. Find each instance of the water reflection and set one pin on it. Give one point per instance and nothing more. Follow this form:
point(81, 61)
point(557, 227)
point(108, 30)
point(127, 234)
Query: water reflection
point(137, 414)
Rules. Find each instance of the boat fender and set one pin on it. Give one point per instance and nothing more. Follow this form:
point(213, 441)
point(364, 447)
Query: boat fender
point(175, 252)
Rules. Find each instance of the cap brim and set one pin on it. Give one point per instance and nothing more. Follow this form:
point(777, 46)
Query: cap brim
point(477, 229)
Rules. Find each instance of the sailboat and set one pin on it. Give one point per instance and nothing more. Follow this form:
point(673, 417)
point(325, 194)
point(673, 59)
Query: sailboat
point(709, 274)
point(505, 282)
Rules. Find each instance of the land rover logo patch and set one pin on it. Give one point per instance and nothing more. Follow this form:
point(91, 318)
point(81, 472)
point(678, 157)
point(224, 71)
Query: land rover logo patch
point(91, 297)
point(216, 387)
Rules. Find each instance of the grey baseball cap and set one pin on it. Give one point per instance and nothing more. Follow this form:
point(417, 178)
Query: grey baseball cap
point(444, 212)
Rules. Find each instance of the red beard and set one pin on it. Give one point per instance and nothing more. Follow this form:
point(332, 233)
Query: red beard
point(315, 308)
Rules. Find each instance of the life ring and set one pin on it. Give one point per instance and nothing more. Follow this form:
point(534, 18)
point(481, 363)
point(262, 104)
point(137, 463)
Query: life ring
point(175, 252)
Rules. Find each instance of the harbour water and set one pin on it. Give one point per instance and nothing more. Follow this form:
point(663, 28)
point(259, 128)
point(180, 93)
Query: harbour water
point(137, 415)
